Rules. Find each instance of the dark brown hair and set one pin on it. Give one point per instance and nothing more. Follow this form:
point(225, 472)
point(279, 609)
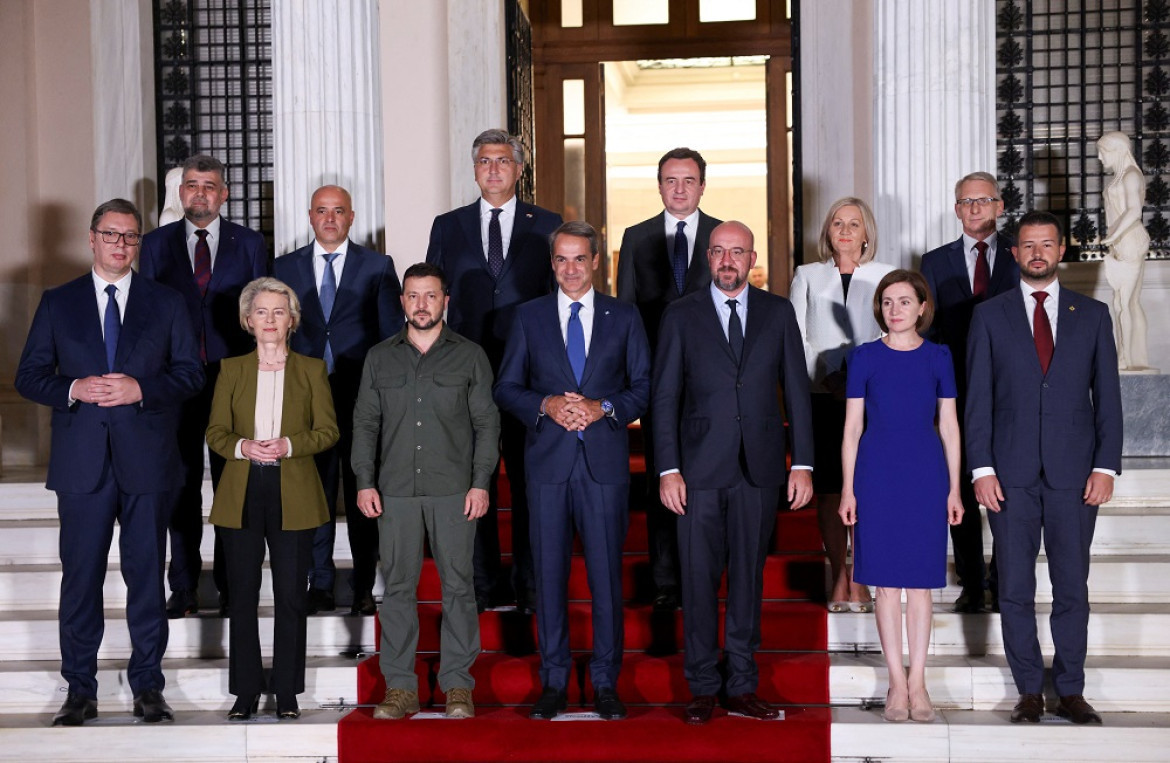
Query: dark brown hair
point(921, 290)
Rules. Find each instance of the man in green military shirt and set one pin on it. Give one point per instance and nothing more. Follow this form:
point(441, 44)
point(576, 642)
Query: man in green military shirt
point(425, 444)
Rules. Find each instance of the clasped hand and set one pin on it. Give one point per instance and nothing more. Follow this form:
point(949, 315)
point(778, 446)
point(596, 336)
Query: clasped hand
point(573, 411)
point(108, 390)
point(265, 451)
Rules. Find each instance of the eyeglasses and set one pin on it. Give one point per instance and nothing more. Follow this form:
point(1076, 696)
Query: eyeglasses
point(503, 162)
point(718, 252)
point(112, 237)
point(982, 202)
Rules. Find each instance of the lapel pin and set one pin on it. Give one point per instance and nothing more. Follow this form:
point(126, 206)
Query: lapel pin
point(528, 215)
point(1071, 308)
point(607, 312)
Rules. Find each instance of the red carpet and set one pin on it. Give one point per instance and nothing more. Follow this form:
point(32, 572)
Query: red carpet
point(794, 668)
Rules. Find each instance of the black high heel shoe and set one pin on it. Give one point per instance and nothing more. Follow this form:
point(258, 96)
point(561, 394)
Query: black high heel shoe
point(287, 709)
point(244, 708)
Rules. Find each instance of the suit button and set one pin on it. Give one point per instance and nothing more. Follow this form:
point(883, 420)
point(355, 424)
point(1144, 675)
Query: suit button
point(737, 418)
point(739, 384)
point(418, 447)
point(496, 292)
point(1044, 385)
point(418, 423)
point(418, 471)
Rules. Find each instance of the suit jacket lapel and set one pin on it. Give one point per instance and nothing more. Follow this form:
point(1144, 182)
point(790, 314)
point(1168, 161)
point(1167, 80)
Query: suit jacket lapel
point(1004, 262)
point(310, 302)
point(699, 272)
point(551, 325)
point(522, 224)
point(599, 338)
point(225, 256)
point(958, 261)
point(751, 330)
point(178, 251)
point(469, 224)
point(713, 324)
point(1017, 318)
point(1068, 327)
point(134, 322)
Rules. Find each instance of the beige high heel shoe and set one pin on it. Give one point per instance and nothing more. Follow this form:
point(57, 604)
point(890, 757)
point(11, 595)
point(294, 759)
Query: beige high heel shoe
point(894, 714)
point(922, 711)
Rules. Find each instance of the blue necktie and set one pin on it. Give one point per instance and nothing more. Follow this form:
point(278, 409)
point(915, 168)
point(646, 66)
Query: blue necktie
point(679, 260)
point(327, 294)
point(495, 245)
point(575, 345)
point(735, 331)
point(113, 326)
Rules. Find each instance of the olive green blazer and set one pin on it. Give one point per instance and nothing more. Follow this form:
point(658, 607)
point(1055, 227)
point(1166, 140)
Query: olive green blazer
point(307, 419)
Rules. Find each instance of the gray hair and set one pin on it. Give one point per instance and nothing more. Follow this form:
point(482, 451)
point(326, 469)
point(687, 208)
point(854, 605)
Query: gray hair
point(205, 163)
point(271, 286)
point(498, 137)
point(986, 177)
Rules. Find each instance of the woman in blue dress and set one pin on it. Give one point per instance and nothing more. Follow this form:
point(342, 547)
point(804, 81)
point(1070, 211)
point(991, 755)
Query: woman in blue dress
point(901, 478)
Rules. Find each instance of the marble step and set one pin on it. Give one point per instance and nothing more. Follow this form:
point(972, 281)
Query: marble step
point(1112, 684)
point(192, 685)
point(1114, 630)
point(194, 737)
point(980, 736)
point(32, 635)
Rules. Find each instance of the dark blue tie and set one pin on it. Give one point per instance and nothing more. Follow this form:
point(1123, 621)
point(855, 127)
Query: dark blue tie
point(679, 260)
point(327, 294)
point(113, 326)
point(735, 331)
point(495, 245)
point(575, 345)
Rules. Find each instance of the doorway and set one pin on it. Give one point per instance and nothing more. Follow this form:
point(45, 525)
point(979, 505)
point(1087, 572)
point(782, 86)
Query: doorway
point(617, 84)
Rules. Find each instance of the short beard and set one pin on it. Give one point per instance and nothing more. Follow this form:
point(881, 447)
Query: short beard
point(423, 326)
point(199, 215)
point(737, 280)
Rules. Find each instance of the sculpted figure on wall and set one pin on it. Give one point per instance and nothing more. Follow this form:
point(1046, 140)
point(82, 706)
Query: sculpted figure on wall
point(172, 208)
point(1124, 196)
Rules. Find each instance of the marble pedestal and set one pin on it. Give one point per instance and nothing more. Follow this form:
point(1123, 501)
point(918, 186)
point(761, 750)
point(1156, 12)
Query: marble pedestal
point(1145, 400)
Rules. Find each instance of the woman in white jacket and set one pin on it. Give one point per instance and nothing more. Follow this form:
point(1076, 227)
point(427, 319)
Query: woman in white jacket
point(834, 307)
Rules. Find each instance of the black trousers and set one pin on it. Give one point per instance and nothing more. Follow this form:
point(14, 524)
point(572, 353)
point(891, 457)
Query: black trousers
point(291, 553)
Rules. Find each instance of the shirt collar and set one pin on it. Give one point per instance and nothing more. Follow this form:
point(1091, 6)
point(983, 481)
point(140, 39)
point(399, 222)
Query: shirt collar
point(100, 284)
point(969, 243)
point(212, 228)
point(721, 298)
point(564, 303)
point(692, 220)
point(509, 207)
point(341, 249)
point(1052, 289)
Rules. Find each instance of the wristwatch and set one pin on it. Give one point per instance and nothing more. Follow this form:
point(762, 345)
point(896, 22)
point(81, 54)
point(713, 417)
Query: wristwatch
point(607, 408)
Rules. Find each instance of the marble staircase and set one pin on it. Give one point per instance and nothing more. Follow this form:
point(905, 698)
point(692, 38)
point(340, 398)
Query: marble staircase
point(1128, 670)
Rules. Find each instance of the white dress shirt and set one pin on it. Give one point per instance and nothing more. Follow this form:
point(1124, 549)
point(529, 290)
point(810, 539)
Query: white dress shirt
point(585, 314)
point(319, 262)
point(691, 231)
point(972, 255)
point(507, 219)
point(724, 311)
point(103, 299)
point(212, 240)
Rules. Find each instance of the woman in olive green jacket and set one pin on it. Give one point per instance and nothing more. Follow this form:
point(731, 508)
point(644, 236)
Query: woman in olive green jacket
point(271, 413)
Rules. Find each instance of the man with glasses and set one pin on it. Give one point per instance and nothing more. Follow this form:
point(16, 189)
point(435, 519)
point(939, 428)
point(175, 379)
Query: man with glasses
point(495, 254)
point(961, 274)
point(113, 356)
point(208, 260)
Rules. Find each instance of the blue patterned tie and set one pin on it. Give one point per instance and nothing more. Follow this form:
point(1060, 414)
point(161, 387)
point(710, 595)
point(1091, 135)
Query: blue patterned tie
point(575, 345)
point(113, 326)
point(495, 245)
point(327, 294)
point(679, 260)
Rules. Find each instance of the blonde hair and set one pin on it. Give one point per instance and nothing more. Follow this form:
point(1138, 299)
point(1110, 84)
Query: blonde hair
point(825, 242)
point(271, 286)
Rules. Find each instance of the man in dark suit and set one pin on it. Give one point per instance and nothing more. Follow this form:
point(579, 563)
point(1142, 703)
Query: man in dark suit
point(960, 275)
point(495, 254)
point(208, 260)
point(113, 355)
point(719, 441)
point(576, 371)
point(350, 300)
point(660, 260)
point(1044, 434)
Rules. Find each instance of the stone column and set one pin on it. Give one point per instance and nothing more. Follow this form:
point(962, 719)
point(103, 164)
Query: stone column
point(327, 115)
point(933, 117)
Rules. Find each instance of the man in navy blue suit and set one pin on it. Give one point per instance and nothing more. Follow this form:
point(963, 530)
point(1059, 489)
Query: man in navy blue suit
point(725, 355)
point(208, 260)
point(113, 355)
point(350, 300)
point(495, 254)
point(1044, 435)
point(576, 372)
point(960, 275)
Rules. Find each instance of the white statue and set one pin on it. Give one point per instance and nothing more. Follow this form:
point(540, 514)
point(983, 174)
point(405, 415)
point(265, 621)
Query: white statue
point(172, 208)
point(1128, 243)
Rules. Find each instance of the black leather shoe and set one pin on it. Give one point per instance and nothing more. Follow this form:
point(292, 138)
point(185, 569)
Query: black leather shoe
point(1076, 709)
point(181, 604)
point(287, 708)
point(700, 709)
point(75, 711)
point(244, 708)
point(152, 708)
point(970, 602)
point(551, 703)
point(321, 600)
point(608, 706)
point(667, 599)
point(1028, 709)
point(482, 603)
point(363, 604)
point(526, 602)
point(751, 706)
